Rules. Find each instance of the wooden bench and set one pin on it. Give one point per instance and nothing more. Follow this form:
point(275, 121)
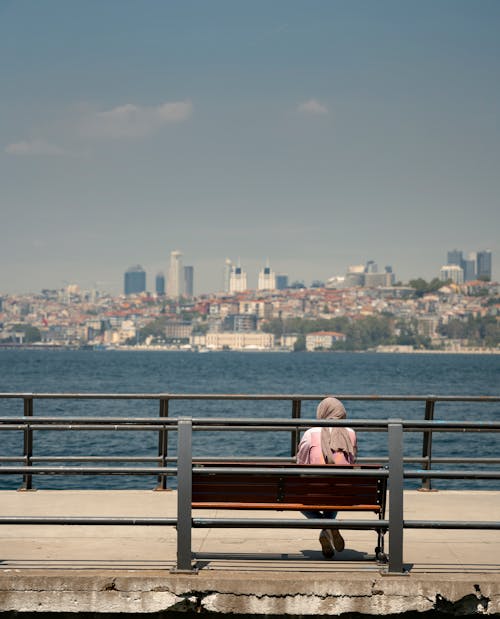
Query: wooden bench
point(295, 492)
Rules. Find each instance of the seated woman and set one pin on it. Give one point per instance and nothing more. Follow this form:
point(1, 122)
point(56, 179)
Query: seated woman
point(328, 446)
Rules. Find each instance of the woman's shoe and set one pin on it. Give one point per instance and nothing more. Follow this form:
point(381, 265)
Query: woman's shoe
point(337, 540)
point(326, 541)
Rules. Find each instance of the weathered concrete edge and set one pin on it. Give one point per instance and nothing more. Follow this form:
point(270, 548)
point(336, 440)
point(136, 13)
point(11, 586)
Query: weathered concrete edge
point(271, 593)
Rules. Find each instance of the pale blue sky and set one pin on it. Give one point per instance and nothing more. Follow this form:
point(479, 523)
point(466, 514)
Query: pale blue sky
point(317, 134)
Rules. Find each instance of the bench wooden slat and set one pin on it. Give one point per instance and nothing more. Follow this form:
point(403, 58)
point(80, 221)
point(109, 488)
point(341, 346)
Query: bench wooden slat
point(235, 490)
point(283, 506)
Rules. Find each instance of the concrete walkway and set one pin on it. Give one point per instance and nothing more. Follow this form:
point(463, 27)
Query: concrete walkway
point(254, 571)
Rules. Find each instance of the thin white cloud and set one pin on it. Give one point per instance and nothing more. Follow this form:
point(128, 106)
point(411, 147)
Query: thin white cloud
point(312, 107)
point(130, 121)
point(34, 148)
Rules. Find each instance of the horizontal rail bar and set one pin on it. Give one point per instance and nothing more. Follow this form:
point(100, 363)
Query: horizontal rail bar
point(90, 520)
point(250, 397)
point(452, 474)
point(171, 471)
point(86, 470)
point(280, 523)
point(450, 524)
point(228, 423)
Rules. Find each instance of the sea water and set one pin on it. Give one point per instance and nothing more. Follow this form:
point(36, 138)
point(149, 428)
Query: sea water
point(140, 372)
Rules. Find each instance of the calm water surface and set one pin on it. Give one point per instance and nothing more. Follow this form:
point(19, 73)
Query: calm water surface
point(243, 373)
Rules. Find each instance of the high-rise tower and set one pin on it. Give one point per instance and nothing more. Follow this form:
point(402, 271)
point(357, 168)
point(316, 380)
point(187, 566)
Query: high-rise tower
point(160, 284)
point(134, 280)
point(175, 282)
point(237, 279)
point(484, 264)
point(267, 279)
point(189, 281)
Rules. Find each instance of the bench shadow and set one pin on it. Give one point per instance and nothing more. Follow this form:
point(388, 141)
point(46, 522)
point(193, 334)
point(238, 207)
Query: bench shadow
point(203, 559)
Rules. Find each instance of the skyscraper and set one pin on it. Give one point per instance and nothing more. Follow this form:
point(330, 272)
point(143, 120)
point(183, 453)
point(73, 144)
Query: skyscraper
point(228, 267)
point(160, 284)
point(189, 281)
point(267, 279)
point(484, 264)
point(134, 280)
point(175, 282)
point(281, 281)
point(470, 267)
point(455, 256)
point(237, 279)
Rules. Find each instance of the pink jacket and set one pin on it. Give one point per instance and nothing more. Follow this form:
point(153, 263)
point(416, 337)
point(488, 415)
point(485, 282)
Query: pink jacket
point(309, 451)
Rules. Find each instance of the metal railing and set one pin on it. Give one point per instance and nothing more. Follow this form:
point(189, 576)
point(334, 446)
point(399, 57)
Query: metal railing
point(185, 521)
point(164, 399)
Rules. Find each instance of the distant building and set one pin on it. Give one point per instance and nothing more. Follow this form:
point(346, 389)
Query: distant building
point(160, 284)
point(178, 330)
point(368, 276)
point(189, 281)
point(134, 280)
point(281, 281)
point(455, 256)
point(175, 282)
point(267, 279)
point(484, 264)
point(237, 279)
point(477, 265)
point(469, 268)
point(323, 339)
point(240, 323)
point(256, 340)
point(228, 266)
point(452, 272)
point(376, 280)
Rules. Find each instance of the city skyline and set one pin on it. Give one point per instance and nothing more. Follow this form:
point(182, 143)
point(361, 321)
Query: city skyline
point(319, 136)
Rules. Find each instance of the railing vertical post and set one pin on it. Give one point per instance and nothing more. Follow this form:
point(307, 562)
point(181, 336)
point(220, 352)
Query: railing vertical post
point(28, 444)
point(396, 477)
point(163, 445)
point(427, 445)
point(295, 434)
point(184, 495)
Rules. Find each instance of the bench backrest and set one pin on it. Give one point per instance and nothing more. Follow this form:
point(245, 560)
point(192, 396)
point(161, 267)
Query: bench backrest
point(243, 490)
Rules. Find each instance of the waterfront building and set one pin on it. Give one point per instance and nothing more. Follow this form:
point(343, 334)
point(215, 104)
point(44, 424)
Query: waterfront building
point(175, 282)
point(452, 272)
point(237, 279)
point(160, 284)
point(323, 340)
point(484, 264)
point(267, 279)
point(256, 340)
point(189, 281)
point(134, 280)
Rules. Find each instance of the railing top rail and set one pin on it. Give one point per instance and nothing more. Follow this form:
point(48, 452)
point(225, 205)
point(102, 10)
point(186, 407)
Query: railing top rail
point(250, 396)
point(222, 422)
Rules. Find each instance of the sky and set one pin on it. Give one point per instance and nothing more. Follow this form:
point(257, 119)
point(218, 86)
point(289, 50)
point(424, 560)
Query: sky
point(311, 134)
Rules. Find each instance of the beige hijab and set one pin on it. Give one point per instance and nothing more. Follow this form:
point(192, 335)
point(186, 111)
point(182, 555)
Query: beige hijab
point(334, 439)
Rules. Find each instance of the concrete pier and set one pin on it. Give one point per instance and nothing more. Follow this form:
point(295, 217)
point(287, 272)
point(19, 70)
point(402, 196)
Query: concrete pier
point(126, 569)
